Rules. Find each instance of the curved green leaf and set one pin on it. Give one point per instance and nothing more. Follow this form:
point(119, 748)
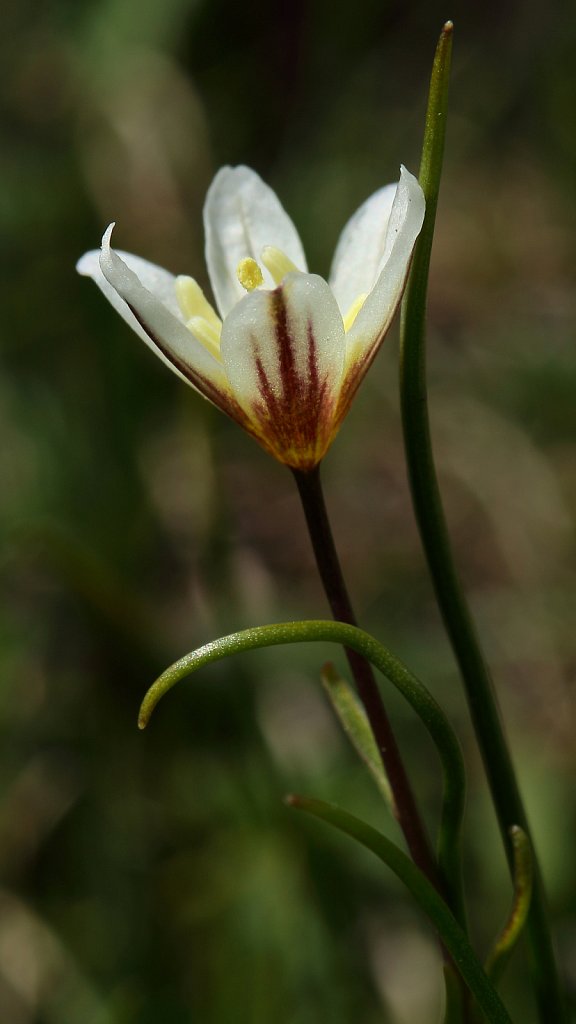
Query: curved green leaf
point(409, 686)
point(452, 935)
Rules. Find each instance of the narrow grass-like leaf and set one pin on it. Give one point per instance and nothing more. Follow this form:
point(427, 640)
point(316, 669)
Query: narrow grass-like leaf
point(429, 511)
point(428, 899)
point(355, 723)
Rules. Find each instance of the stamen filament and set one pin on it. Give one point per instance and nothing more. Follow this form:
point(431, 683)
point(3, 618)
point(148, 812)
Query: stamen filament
point(277, 263)
point(354, 310)
point(193, 302)
point(206, 333)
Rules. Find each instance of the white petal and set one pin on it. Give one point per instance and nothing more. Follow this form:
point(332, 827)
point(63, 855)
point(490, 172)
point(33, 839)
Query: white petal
point(158, 324)
point(157, 280)
point(283, 351)
point(376, 315)
point(241, 216)
point(295, 328)
point(360, 251)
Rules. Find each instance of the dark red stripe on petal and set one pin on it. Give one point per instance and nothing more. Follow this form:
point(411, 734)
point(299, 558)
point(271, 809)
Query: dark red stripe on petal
point(283, 338)
point(294, 421)
point(312, 359)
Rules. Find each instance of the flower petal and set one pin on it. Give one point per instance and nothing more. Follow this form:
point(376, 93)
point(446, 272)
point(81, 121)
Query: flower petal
point(360, 251)
point(375, 317)
point(283, 351)
point(157, 280)
point(242, 215)
point(158, 324)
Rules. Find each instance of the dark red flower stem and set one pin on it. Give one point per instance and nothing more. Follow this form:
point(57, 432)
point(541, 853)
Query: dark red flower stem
point(312, 497)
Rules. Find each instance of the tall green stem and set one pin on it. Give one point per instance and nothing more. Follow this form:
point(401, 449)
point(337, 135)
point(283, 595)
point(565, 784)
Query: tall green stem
point(435, 539)
point(330, 570)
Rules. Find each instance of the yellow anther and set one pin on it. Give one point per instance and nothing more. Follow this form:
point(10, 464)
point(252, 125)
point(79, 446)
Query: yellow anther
point(354, 310)
point(193, 302)
point(277, 263)
point(249, 274)
point(206, 333)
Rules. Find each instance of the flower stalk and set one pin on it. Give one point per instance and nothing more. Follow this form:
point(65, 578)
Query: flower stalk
point(427, 501)
point(330, 571)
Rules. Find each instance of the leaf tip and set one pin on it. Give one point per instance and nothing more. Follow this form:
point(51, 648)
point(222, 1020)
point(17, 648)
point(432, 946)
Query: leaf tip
point(328, 674)
point(143, 718)
point(292, 800)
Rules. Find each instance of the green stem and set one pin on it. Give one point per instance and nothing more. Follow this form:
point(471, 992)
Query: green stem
point(453, 937)
point(330, 571)
point(432, 525)
point(456, 998)
point(394, 670)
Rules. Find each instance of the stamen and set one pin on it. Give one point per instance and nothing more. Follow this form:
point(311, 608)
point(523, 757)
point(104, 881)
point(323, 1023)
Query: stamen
point(277, 263)
point(206, 333)
point(249, 274)
point(354, 310)
point(193, 302)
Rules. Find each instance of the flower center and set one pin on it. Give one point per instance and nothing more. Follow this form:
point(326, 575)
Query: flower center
point(276, 262)
point(201, 318)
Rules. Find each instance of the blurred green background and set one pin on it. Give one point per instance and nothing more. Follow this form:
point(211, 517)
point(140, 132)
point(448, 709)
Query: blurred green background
point(157, 878)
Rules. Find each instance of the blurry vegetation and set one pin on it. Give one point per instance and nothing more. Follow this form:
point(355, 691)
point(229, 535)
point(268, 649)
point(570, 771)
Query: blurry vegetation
point(157, 878)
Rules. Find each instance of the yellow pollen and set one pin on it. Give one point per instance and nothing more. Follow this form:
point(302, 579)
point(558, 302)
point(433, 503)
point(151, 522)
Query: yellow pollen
point(277, 263)
point(354, 310)
point(249, 274)
point(207, 334)
point(193, 302)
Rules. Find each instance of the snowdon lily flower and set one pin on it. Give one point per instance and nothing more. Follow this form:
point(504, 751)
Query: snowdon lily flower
point(283, 352)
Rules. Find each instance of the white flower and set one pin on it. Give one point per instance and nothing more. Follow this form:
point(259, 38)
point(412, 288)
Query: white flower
point(286, 351)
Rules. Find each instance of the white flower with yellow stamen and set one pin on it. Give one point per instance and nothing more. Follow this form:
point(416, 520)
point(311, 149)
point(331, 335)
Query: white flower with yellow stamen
point(286, 351)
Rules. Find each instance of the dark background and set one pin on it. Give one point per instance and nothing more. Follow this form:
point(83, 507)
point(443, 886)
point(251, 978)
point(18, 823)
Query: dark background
point(157, 878)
